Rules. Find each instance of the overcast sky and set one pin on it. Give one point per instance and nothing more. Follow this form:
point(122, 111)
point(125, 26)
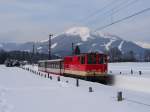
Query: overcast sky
point(33, 20)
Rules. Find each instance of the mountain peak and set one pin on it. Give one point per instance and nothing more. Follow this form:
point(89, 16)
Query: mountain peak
point(83, 32)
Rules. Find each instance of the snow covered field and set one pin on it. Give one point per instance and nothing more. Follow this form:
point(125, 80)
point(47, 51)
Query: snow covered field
point(23, 91)
point(133, 81)
point(125, 68)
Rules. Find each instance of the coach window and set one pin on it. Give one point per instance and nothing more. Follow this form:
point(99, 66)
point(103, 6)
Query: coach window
point(54, 65)
point(57, 66)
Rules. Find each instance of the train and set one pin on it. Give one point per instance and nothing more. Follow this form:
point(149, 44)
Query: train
point(89, 66)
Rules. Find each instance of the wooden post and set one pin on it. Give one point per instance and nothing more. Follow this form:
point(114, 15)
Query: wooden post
point(58, 78)
point(51, 77)
point(77, 82)
point(119, 96)
point(131, 71)
point(90, 89)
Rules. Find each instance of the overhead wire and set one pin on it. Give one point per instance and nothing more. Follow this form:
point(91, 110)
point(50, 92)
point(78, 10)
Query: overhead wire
point(123, 19)
point(117, 9)
point(97, 11)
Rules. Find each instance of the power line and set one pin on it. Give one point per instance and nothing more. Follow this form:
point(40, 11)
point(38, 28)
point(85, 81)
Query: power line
point(111, 4)
point(98, 11)
point(118, 8)
point(123, 19)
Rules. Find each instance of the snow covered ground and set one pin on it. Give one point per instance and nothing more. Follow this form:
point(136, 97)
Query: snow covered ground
point(125, 68)
point(133, 81)
point(23, 91)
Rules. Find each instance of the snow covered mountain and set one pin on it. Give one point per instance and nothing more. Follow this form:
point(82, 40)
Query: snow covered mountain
point(87, 40)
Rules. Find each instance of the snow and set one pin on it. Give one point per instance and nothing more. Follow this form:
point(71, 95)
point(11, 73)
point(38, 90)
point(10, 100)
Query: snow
point(109, 43)
point(94, 44)
point(46, 40)
point(120, 46)
point(143, 44)
point(54, 45)
point(106, 35)
point(79, 43)
point(125, 68)
point(83, 32)
point(39, 48)
point(130, 81)
point(42, 41)
point(23, 91)
point(133, 83)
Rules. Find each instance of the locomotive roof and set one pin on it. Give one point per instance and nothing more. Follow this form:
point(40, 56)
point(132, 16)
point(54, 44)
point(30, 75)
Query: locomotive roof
point(86, 54)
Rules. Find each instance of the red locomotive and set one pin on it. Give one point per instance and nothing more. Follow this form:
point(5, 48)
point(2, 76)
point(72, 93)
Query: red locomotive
point(85, 65)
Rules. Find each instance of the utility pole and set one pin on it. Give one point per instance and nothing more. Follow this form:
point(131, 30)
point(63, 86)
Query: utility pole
point(32, 55)
point(49, 56)
point(33, 49)
point(72, 48)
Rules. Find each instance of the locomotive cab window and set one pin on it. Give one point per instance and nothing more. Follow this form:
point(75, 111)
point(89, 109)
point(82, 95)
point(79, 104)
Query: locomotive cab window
point(102, 60)
point(91, 58)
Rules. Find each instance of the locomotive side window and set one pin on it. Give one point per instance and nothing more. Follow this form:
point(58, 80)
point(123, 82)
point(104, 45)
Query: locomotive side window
point(82, 60)
point(94, 58)
point(91, 58)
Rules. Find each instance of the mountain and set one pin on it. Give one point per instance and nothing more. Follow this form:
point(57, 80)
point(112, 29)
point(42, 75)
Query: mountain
point(143, 44)
point(87, 40)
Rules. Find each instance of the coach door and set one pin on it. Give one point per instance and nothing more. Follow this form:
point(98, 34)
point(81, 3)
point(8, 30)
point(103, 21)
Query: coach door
point(61, 67)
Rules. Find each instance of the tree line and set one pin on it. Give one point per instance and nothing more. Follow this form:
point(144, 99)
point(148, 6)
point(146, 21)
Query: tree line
point(22, 56)
point(115, 55)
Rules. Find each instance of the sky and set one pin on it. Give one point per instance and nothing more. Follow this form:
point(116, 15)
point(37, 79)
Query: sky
point(34, 20)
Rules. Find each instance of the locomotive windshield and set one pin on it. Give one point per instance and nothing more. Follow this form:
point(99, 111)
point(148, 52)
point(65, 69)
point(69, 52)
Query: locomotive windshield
point(101, 60)
point(96, 59)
